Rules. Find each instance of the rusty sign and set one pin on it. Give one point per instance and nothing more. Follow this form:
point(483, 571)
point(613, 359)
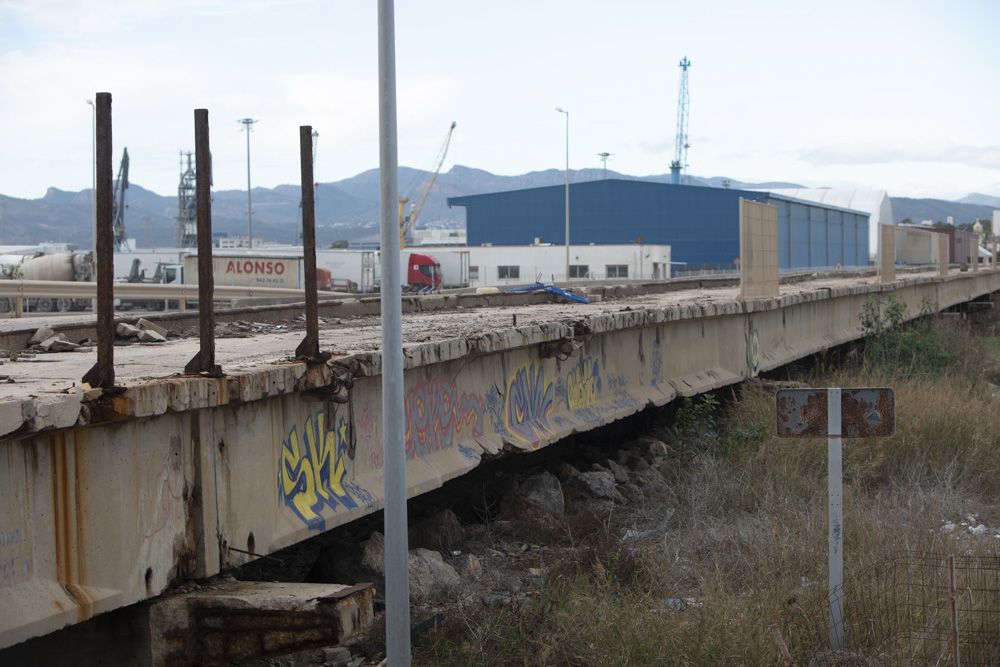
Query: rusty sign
point(868, 412)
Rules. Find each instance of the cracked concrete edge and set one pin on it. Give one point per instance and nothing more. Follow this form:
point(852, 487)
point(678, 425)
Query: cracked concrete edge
point(149, 398)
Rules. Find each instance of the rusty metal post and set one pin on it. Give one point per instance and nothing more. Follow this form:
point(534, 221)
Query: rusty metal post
point(204, 360)
point(953, 597)
point(309, 347)
point(102, 374)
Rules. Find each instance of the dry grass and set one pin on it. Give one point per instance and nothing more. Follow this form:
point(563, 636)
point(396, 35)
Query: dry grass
point(747, 541)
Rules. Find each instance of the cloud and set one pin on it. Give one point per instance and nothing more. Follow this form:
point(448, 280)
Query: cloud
point(107, 16)
point(657, 146)
point(974, 156)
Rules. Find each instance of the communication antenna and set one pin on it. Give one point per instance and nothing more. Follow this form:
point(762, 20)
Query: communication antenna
point(681, 140)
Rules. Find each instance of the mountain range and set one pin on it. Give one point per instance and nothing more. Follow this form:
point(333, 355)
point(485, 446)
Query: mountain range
point(348, 209)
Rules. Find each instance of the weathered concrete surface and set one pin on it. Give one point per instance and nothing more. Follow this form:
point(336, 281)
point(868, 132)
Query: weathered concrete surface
point(233, 622)
point(110, 501)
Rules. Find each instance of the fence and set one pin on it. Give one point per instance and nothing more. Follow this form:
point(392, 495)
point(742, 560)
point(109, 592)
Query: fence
point(912, 609)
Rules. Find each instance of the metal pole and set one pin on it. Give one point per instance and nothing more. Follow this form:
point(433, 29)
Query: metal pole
point(102, 374)
point(309, 347)
point(204, 360)
point(953, 597)
point(397, 589)
point(563, 111)
point(93, 175)
point(835, 491)
point(248, 126)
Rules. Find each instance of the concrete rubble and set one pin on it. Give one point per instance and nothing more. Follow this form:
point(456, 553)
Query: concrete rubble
point(232, 622)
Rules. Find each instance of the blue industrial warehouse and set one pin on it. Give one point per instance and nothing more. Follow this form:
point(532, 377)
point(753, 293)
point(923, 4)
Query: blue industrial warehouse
point(701, 224)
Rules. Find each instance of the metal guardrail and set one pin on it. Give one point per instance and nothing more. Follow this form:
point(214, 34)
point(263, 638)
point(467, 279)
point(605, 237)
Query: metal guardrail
point(59, 289)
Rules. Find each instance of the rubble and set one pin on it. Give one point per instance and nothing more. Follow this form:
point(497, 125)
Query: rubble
point(597, 485)
point(151, 336)
point(618, 470)
point(125, 330)
point(41, 334)
point(146, 325)
point(544, 491)
point(430, 575)
point(442, 531)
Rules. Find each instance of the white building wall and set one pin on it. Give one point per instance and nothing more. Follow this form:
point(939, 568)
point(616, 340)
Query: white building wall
point(498, 266)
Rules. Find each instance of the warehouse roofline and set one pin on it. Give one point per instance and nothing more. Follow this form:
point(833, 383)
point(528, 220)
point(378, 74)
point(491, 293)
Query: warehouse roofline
point(806, 202)
point(465, 200)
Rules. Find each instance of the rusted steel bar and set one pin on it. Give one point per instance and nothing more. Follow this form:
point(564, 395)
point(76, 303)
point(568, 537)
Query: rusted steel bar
point(102, 374)
point(309, 347)
point(204, 360)
point(956, 655)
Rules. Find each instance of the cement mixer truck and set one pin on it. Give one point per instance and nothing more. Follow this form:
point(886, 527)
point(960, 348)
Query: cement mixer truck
point(65, 266)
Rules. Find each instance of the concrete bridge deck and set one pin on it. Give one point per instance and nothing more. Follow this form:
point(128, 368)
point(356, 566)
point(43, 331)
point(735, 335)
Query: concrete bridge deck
point(106, 500)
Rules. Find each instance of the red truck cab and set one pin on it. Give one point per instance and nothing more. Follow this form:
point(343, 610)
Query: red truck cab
point(423, 271)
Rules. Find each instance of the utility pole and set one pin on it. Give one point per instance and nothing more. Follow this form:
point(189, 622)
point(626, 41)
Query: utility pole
point(397, 584)
point(248, 124)
point(604, 158)
point(563, 111)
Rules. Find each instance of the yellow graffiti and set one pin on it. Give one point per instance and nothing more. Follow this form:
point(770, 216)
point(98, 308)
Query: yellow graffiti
point(311, 474)
point(581, 387)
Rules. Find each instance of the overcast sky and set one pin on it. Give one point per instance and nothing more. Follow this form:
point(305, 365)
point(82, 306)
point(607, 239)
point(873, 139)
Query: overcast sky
point(903, 96)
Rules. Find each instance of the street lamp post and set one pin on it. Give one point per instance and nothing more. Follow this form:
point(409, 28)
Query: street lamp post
point(563, 111)
point(248, 124)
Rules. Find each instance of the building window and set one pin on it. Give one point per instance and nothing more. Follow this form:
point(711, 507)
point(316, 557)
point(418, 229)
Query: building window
point(579, 271)
point(473, 273)
point(508, 272)
point(617, 270)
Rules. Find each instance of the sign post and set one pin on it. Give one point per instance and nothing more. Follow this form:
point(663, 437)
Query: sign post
point(835, 513)
point(836, 414)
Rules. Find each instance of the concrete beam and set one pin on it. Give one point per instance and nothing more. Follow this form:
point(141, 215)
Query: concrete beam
point(167, 480)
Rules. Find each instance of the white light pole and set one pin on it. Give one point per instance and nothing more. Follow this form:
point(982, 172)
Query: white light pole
point(397, 585)
point(563, 111)
point(248, 124)
point(93, 175)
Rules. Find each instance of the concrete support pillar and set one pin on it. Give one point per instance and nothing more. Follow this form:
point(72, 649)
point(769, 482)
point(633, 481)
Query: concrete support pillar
point(758, 250)
point(886, 254)
point(974, 253)
point(993, 254)
point(942, 254)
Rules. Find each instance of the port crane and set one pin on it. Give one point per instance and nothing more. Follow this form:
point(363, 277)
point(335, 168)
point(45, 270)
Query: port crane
point(407, 221)
point(118, 205)
point(681, 140)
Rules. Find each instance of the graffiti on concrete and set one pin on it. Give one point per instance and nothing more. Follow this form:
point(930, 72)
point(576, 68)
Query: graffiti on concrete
point(529, 404)
point(9, 541)
point(583, 384)
point(438, 414)
point(312, 470)
point(9, 538)
point(364, 423)
point(753, 351)
point(495, 408)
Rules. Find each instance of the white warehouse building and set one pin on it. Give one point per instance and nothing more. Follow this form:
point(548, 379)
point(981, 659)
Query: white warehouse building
point(497, 266)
